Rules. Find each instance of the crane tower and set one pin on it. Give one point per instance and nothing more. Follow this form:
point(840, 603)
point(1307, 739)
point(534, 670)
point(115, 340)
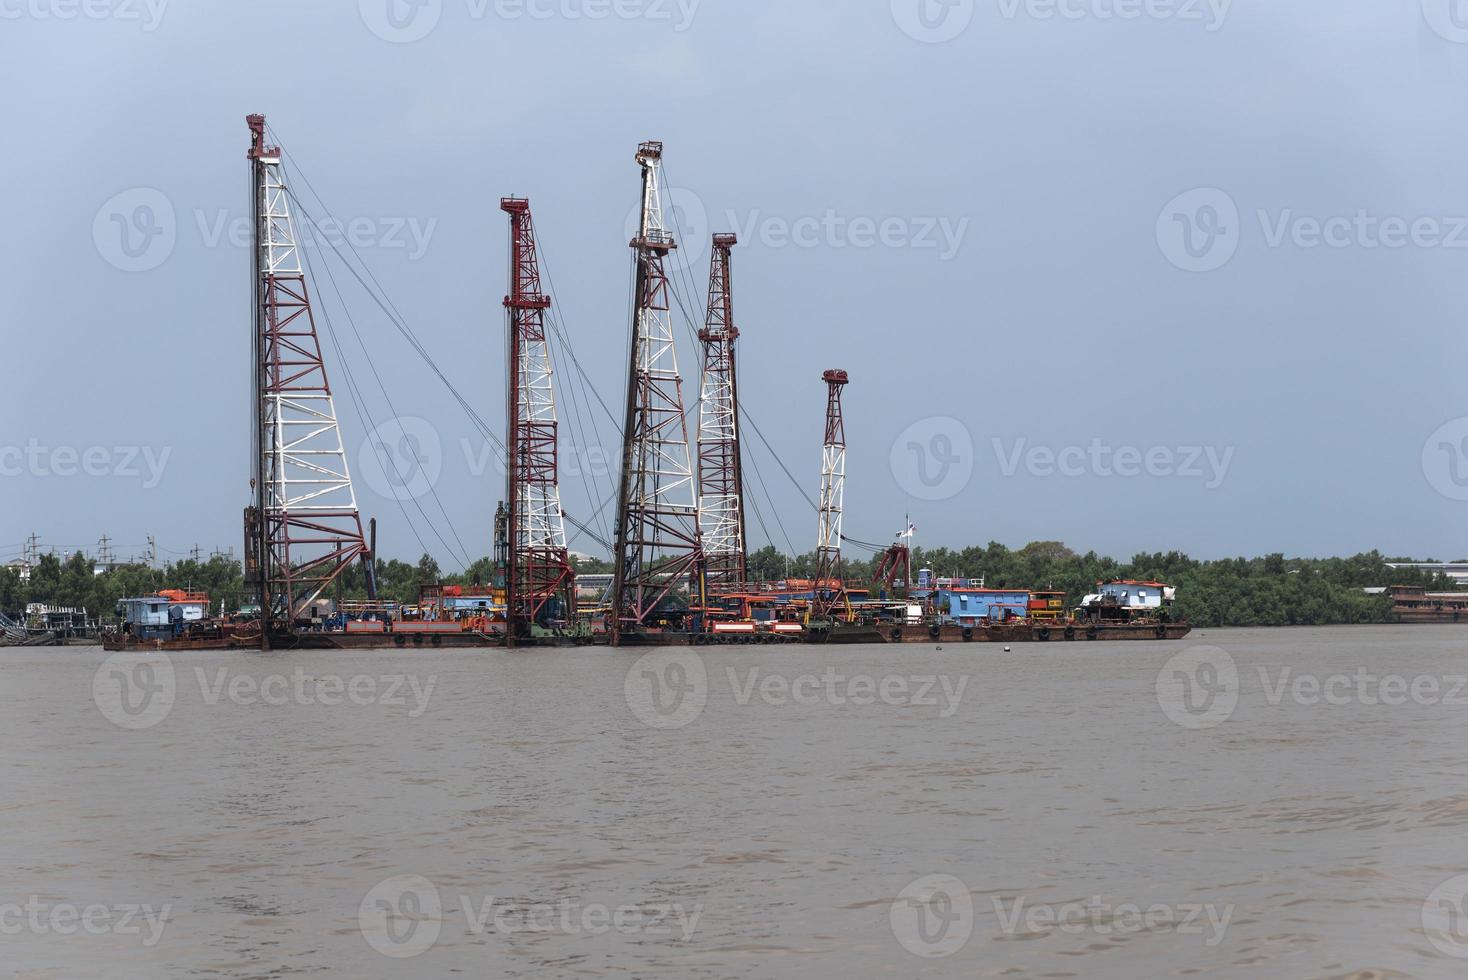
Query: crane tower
point(658, 547)
point(303, 529)
point(829, 587)
point(539, 579)
point(720, 481)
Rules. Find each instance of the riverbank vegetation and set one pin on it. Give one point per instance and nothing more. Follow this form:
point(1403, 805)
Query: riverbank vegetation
point(1268, 591)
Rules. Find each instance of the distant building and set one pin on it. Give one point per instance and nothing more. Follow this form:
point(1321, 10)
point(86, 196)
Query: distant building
point(1457, 571)
point(595, 587)
point(20, 567)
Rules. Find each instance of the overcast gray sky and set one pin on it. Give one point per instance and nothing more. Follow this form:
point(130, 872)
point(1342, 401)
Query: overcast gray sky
point(1133, 275)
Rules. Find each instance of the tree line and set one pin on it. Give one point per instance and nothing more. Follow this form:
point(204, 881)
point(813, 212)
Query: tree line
point(1268, 591)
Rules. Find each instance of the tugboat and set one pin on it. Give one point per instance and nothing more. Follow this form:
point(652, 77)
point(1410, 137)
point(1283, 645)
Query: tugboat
point(177, 620)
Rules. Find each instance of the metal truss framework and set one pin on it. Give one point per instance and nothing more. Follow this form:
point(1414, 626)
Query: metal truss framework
point(658, 545)
point(829, 587)
point(896, 565)
point(303, 529)
point(538, 563)
point(720, 479)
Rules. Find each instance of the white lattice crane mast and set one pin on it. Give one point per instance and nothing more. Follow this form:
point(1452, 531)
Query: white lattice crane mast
point(303, 529)
point(720, 479)
point(539, 566)
point(658, 550)
point(830, 586)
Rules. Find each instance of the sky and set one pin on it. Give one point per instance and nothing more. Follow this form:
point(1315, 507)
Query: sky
point(1137, 275)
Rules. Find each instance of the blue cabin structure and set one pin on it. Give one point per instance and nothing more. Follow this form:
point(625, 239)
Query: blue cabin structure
point(972, 607)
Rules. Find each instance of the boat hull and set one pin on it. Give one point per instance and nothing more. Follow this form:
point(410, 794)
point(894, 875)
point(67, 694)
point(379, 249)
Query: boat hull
point(1011, 633)
point(321, 641)
point(841, 634)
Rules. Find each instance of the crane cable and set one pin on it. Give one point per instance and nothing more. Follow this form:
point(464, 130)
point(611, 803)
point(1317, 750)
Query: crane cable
point(379, 296)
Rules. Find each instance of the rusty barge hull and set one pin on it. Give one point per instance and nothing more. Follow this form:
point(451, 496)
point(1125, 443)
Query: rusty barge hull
point(339, 641)
point(842, 635)
point(1057, 633)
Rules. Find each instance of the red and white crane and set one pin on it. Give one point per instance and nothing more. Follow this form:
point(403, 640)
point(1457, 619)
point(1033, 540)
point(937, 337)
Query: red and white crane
point(829, 586)
point(658, 549)
point(538, 564)
point(720, 479)
point(303, 529)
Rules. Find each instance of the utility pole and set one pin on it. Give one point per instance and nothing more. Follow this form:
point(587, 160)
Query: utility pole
point(658, 546)
point(32, 553)
point(104, 552)
point(720, 480)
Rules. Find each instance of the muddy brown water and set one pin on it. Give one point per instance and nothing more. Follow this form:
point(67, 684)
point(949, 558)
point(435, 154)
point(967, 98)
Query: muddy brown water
point(1270, 803)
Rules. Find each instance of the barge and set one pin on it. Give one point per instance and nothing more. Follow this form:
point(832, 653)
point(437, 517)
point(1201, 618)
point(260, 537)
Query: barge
point(960, 611)
point(1007, 633)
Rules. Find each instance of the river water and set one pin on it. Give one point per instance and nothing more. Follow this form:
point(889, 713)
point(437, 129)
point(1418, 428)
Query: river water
point(1264, 803)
